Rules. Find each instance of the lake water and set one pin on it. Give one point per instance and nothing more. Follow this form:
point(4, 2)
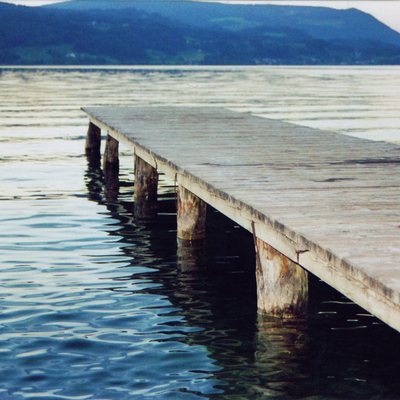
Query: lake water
point(96, 305)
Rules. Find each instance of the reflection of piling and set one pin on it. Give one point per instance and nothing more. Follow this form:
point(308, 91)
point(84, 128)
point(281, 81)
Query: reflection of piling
point(94, 182)
point(281, 354)
point(190, 255)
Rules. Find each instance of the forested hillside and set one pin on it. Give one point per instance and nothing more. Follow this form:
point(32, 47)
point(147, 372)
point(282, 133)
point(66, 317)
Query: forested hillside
point(80, 33)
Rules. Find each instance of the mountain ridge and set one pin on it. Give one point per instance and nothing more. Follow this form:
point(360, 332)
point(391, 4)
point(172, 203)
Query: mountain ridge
point(320, 22)
point(73, 33)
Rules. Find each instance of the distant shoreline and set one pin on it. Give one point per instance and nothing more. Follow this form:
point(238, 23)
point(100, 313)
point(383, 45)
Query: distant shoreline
point(194, 67)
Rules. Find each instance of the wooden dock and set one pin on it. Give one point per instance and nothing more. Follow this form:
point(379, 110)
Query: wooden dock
point(314, 200)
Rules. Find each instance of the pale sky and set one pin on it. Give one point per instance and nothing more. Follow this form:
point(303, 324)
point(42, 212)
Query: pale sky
point(387, 11)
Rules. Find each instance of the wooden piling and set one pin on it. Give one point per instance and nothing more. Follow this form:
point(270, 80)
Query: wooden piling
point(146, 184)
point(191, 216)
point(93, 141)
point(282, 285)
point(111, 163)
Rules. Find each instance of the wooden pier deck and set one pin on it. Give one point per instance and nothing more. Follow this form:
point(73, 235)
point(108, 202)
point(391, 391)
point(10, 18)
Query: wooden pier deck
point(316, 199)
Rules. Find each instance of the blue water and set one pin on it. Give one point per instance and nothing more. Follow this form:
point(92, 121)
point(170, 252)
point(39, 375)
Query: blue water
point(98, 305)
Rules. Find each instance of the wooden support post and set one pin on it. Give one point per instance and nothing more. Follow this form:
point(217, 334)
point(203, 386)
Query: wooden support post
point(111, 163)
point(191, 216)
point(93, 141)
point(282, 285)
point(146, 183)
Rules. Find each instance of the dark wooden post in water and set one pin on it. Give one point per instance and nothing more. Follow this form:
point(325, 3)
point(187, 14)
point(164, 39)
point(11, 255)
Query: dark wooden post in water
point(93, 142)
point(111, 163)
point(191, 219)
point(146, 183)
point(282, 285)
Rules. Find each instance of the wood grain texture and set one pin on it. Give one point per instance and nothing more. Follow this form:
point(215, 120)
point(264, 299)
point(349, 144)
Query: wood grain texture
point(327, 201)
point(111, 163)
point(93, 142)
point(191, 216)
point(282, 285)
point(146, 183)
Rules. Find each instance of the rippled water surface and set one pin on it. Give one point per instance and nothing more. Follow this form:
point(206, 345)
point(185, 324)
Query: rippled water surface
point(97, 305)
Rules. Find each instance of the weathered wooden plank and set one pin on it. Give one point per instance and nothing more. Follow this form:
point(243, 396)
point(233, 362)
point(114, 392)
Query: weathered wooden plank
point(324, 200)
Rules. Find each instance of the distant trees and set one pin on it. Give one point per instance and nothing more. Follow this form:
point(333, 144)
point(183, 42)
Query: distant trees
point(130, 36)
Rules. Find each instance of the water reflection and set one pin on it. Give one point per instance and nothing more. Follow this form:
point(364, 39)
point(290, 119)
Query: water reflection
point(337, 352)
point(190, 256)
point(281, 351)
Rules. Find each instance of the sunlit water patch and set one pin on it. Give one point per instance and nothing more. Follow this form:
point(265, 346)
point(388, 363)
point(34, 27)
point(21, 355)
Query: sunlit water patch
point(98, 305)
